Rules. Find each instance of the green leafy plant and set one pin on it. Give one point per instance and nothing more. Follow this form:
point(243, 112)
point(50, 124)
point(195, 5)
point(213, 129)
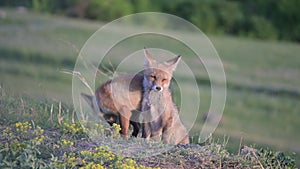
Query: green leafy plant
point(276, 159)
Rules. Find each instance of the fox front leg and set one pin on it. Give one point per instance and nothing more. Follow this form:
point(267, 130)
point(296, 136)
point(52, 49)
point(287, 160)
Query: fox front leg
point(168, 131)
point(124, 117)
point(156, 135)
point(167, 135)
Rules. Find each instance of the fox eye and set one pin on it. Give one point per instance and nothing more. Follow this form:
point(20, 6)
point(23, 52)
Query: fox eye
point(152, 77)
point(164, 80)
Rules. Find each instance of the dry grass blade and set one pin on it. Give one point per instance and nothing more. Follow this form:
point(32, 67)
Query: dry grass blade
point(60, 118)
point(98, 71)
point(111, 65)
point(81, 78)
point(81, 111)
point(73, 116)
point(258, 160)
point(70, 44)
point(240, 146)
point(51, 114)
point(107, 69)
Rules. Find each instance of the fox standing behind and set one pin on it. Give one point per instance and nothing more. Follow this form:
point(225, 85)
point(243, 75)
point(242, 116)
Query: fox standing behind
point(119, 101)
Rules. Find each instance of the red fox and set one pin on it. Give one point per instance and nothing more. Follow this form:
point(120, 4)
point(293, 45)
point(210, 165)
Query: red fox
point(161, 114)
point(120, 100)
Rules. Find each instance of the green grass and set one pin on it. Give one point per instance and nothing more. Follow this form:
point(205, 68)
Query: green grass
point(263, 76)
point(260, 63)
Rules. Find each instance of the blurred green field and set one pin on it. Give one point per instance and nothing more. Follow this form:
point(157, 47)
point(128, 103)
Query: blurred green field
point(263, 76)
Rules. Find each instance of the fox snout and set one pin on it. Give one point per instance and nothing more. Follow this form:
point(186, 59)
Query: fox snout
point(157, 88)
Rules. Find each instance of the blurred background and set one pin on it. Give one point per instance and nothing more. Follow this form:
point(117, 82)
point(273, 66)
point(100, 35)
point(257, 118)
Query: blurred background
point(258, 42)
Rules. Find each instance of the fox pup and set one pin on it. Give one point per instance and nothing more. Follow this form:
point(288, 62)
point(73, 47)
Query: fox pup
point(160, 113)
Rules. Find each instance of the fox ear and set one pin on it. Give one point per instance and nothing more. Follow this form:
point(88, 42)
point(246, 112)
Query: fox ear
point(173, 62)
point(149, 61)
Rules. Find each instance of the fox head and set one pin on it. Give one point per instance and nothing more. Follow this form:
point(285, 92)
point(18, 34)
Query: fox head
point(158, 75)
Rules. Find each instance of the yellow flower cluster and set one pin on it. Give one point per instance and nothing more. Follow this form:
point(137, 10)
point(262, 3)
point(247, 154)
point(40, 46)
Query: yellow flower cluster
point(72, 162)
point(55, 146)
point(38, 131)
point(103, 156)
point(100, 154)
point(95, 128)
point(128, 164)
point(79, 129)
point(23, 135)
point(86, 153)
point(65, 143)
point(7, 133)
point(116, 127)
point(68, 161)
point(23, 127)
point(74, 128)
point(38, 139)
point(20, 133)
point(92, 165)
point(18, 146)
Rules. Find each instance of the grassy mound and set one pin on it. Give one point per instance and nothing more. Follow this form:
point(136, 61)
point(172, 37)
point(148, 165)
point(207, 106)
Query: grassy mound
point(25, 145)
point(54, 141)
